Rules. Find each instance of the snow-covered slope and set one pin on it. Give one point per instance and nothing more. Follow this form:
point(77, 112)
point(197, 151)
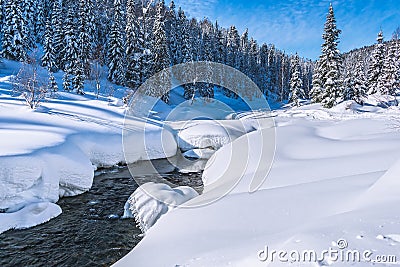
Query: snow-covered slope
point(53, 151)
point(333, 184)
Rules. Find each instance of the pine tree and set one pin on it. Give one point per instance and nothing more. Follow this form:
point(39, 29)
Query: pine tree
point(160, 53)
point(71, 50)
point(85, 34)
point(329, 66)
point(13, 44)
point(390, 72)
point(57, 23)
point(28, 25)
point(173, 35)
point(375, 79)
point(360, 88)
point(116, 51)
point(207, 89)
point(244, 52)
point(39, 22)
point(49, 56)
point(233, 56)
point(296, 83)
point(52, 83)
point(134, 49)
point(185, 49)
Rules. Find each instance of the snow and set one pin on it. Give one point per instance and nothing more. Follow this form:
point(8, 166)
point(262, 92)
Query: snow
point(152, 200)
point(31, 215)
point(52, 152)
point(334, 176)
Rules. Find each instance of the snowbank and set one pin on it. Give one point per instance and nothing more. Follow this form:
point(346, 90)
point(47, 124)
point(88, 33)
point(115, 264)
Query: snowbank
point(52, 152)
point(325, 184)
point(30, 215)
point(151, 200)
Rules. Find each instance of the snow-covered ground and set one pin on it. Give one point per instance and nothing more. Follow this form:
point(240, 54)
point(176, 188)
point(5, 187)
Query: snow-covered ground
point(52, 151)
point(331, 175)
point(334, 185)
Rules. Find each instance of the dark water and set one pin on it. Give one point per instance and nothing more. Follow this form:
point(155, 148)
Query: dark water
point(90, 231)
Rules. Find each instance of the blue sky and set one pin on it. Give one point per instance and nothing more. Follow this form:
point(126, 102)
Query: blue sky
point(297, 25)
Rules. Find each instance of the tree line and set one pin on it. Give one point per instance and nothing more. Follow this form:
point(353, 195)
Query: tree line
point(136, 39)
point(369, 71)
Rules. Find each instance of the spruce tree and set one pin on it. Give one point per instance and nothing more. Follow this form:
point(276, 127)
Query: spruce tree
point(185, 49)
point(173, 35)
point(390, 75)
point(13, 44)
point(39, 22)
point(360, 88)
point(207, 89)
point(327, 74)
point(134, 42)
point(160, 53)
point(375, 77)
point(28, 26)
point(70, 52)
point(296, 83)
point(49, 57)
point(57, 24)
point(116, 46)
point(52, 83)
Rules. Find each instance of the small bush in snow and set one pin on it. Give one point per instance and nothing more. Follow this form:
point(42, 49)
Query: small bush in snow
point(30, 85)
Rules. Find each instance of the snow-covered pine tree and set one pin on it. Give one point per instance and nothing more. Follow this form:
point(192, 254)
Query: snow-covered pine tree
point(173, 36)
point(39, 21)
point(134, 51)
point(161, 56)
point(375, 79)
point(253, 66)
point(272, 69)
point(195, 39)
point(185, 52)
point(52, 83)
point(116, 46)
point(244, 52)
point(296, 83)
point(220, 47)
point(207, 89)
point(85, 35)
point(263, 66)
point(49, 56)
point(360, 89)
point(233, 57)
point(316, 91)
point(57, 23)
point(79, 78)
point(390, 72)
point(233, 46)
point(1, 17)
point(13, 44)
point(327, 74)
point(28, 11)
point(71, 50)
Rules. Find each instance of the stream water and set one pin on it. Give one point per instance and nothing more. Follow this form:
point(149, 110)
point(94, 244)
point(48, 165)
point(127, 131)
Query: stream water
point(90, 231)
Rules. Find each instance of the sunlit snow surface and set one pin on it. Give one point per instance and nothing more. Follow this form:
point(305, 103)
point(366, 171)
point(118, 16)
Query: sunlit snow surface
point(335, 177)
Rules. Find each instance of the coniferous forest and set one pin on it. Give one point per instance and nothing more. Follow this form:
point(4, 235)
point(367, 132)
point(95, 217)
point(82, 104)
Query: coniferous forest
point(135, 39)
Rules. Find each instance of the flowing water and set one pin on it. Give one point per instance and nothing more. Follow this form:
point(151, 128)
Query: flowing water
point(90, 231)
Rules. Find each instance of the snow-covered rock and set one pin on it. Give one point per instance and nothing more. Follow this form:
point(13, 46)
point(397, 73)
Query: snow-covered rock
point(204, 153)
point(151, 200)
point(210, 134)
